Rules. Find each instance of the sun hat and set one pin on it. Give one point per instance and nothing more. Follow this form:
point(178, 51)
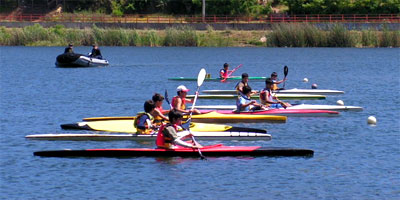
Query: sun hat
point(182, 88)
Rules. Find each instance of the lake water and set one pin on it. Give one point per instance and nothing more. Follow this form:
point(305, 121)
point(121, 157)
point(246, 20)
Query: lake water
point(352, 159)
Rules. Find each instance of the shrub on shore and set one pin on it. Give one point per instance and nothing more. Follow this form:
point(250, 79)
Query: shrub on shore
point(281, 35)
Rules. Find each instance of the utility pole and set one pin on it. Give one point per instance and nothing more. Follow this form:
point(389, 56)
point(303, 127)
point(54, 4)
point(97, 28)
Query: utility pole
point(203, 10)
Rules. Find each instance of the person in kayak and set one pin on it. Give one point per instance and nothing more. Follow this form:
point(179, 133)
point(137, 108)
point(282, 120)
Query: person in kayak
point(168, 136)
point(179, 101)
point(244, 102)
point(244, 82)
point(69, 49)
point(274, 78)
point(96, 52)
point(144, 120)
point(158, 112)
point(223, 73)
point(267, 97)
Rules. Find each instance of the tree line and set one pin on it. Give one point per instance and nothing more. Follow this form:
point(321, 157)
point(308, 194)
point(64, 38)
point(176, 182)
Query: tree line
point(217, 7)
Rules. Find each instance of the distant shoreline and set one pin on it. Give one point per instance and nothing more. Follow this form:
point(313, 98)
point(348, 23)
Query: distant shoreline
point(279, 35)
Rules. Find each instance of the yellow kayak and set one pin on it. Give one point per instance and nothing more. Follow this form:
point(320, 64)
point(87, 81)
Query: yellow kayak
point(126, 126)
point(213, 117)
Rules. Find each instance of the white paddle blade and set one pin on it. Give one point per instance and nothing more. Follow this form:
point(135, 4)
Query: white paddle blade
point(201, 77)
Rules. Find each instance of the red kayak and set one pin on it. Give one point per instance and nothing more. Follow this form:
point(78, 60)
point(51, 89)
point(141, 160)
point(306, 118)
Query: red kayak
point(212, 151)
point(281, 112)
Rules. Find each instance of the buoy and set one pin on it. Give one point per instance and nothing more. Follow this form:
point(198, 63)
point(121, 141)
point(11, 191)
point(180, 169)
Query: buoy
point(314, 86)
point(340, 102)
point(371, 120)
point(305, 80)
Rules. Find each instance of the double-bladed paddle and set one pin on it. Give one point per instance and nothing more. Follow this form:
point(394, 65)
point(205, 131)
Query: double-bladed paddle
point(200, 80)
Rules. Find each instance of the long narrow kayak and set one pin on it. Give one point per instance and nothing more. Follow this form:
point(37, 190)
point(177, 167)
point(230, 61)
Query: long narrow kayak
point(287, 91)
point(278, 112)
point(151, 137)
point(217, 117)
point(126, 126)
point(233, 78)
point(298, 106)
point(208, 151)
point(213, 117)
point(280, 96)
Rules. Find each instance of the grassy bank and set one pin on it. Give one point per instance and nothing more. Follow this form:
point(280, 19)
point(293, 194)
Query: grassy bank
point(282, 35)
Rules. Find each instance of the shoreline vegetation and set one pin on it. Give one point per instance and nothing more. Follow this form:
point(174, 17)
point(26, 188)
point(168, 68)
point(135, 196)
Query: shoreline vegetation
point(281, 35)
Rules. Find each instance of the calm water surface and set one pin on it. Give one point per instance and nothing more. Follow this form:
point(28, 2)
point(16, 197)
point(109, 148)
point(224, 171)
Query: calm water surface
point(352, 159)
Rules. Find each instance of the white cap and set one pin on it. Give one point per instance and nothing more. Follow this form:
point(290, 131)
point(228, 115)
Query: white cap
point(182, 88)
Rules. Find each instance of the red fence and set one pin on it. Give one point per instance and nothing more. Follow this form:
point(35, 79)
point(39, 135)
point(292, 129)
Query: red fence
point(382, 18)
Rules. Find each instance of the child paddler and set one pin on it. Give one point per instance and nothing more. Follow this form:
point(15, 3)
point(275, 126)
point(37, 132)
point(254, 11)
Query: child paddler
point(144, 121)
point(158, 112)
point(244, 82)
point(169, 135)
point(244, 102)
point(274, 78)
point(267, 98)
point(179, 101)
point(223, 73)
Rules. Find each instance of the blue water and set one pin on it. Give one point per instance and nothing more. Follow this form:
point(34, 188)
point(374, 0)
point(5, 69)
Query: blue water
point(352, 159)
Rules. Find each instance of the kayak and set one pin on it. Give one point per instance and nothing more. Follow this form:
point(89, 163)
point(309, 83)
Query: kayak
point(212, 117)
point(287, 91)
point(209, 151)
point(124, 125)
point(296, 106)
point(79, 60)
point(219, 117)
point(152, 137)
point(278, 112)
point(280, 96)
point(232, 78)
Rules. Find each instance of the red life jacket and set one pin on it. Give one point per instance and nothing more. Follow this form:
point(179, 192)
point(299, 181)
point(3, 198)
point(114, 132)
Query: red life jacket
point(183, 104)
point(164, 141)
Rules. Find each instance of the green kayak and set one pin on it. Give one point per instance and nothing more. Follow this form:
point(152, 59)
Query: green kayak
point(232, 78)
point(280, 96)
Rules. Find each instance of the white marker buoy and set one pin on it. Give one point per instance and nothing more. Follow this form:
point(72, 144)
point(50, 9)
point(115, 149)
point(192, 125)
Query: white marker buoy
point(305, 80)
point(340, 102)
point(371, 120)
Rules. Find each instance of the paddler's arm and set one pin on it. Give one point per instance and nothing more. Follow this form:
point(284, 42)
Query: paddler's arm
point(178, 139)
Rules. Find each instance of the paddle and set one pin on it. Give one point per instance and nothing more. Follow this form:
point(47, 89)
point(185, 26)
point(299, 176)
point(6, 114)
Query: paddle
point(166, 98)
point(285, 72)
point(230, 73)
point(200, 80)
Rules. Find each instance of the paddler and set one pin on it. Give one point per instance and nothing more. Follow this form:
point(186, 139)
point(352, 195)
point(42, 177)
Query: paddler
point(244, 82)
point(169, 135)
point(223, 73)
point(179, 101)
point(267, 97)
point(244, 102)
point(158, 112)
point(144, 121)
point(274, 78)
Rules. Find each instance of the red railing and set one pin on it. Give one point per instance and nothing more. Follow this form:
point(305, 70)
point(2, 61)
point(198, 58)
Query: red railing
point(383, 18)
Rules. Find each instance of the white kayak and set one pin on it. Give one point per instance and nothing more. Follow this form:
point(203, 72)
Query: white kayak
point(79, 60)
point(299, 106)
point(288, 91)
point(126, 136)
